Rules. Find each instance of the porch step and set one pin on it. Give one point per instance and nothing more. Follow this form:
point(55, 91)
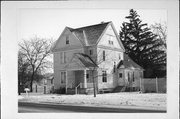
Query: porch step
point(119, 89)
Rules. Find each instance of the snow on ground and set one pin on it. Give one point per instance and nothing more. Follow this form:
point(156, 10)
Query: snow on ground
point(121, 99)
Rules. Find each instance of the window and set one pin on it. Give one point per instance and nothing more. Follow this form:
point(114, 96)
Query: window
point(87, 76)
point(90, 52)
point(110, 42)
point(63, 57)
point(67, 40)
point(104, 55)
point(120, 75)
point(104, 76)
point(114, 67)
point(63, 77)
point(52, 81)
point(133, 77)
point(45, 81)
point(119, 56)
point(128, 77)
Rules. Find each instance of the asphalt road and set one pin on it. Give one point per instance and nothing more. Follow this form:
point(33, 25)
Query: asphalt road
point(47, 108)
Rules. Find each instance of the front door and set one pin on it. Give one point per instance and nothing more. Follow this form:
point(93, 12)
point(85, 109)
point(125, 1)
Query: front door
point(79, 75)
point(120, 79)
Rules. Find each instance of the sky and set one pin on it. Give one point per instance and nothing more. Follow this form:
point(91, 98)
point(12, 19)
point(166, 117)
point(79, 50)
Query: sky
point(49, 23)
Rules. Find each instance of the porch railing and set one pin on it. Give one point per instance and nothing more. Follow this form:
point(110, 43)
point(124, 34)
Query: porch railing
point(89, 85)
point(77, 88)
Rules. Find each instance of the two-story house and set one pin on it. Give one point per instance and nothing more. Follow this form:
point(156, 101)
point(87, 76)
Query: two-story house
point(93, 54)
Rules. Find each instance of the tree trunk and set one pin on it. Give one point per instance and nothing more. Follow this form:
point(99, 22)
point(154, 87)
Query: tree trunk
point(31, 83)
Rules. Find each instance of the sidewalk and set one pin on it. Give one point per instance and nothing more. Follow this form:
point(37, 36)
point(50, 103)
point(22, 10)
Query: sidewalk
point(114, 100)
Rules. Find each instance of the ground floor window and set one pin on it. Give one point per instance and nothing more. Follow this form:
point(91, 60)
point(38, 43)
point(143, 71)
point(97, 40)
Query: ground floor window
point(128, 77)
point(104, 76)
point(120, 75)
point(63, 77)
point(133, 77)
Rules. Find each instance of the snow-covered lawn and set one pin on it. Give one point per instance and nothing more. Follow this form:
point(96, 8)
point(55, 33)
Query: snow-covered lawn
point(114, 99)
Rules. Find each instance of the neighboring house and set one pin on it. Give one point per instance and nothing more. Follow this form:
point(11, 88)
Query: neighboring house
point(93, 53)
point(44, 85)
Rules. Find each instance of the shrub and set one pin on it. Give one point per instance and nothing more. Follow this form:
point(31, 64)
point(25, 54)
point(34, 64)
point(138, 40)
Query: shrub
point(59, 91)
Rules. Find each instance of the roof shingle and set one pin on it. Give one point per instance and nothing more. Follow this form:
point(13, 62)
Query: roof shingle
point(86, 60)
point(92, 33)
point(128, 63)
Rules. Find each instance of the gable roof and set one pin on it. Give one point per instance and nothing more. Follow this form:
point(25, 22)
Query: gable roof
point(128, 63)
point(89, 35)
point(86, 60)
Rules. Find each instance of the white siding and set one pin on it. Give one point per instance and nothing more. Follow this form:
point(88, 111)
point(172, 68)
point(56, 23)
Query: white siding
point(109, 35)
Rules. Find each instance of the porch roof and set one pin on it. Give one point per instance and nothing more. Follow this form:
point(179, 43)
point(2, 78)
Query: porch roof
point(86, 60)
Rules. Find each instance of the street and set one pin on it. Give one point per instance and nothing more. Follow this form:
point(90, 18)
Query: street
point(48, 108)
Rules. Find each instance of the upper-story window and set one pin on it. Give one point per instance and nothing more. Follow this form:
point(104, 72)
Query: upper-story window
point(63, 57)
point(91, 52)
point(111, 42)
point(104, 55)
point(67, 40)
point(110, 39)
point(119, 56)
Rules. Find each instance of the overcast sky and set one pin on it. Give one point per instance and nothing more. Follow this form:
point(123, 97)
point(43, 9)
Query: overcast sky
point(49, 23)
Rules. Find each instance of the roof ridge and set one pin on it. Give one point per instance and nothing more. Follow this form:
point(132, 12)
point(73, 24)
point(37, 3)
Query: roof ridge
point(92, 25)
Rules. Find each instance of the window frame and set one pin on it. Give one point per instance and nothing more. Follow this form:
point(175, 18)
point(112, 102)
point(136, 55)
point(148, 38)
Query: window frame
point(67, 40)
point(87, 76)
point(104, 76)
point(63, 77)
point(120, 75)
point(90, 52)
point(104, 55)
point(63, 57)
point(119, 56)
point(133, 77)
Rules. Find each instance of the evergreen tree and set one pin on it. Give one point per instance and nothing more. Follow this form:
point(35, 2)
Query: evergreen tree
point(142, 45)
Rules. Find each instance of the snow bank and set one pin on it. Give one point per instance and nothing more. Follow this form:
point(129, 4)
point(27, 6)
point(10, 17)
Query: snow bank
point(124, 99)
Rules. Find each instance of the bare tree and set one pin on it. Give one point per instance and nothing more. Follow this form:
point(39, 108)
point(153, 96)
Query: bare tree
point(160, 29)
point(36, 52)
point(95, 62)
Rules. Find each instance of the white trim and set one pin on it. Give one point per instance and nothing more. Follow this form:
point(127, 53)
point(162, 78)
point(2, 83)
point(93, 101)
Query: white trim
point(69, 50)
point(110, 48)
point(103, 33)
point(66, 81)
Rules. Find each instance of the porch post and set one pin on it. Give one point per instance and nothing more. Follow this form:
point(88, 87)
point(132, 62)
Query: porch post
point(85, 80)
point(66, 81)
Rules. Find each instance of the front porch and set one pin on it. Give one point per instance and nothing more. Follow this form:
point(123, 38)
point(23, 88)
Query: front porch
point(79, 81)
